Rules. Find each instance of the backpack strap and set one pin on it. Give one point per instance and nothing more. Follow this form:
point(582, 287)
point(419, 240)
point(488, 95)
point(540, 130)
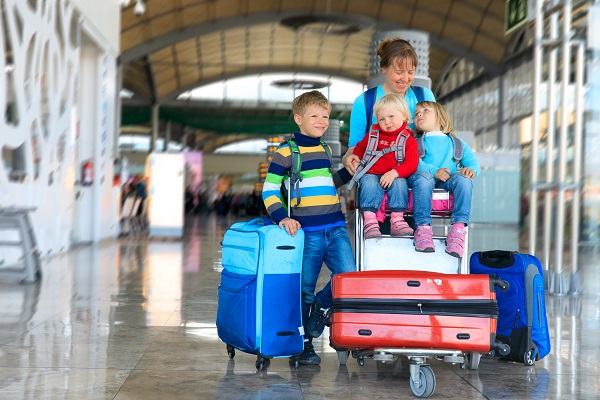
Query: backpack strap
point(370, 152)
point(294, 173)
point(296, 167)
point(419, 93)
point(328, 152)
point(400, 147)
point(420, 145)
point(369, 97)
point(458, 151)
point(457, 145)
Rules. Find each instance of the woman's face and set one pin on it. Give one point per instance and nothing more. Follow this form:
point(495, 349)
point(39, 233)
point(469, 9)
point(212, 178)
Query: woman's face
point(399, 76)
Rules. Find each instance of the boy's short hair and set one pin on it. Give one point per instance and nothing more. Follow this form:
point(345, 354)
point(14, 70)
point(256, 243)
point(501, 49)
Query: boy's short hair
point(441, 115)
point(312, 98)
point(395, 101)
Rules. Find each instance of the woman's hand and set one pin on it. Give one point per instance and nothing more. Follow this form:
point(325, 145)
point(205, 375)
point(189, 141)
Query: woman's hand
point(350, 161)
point(387, 179)
point(291, 225)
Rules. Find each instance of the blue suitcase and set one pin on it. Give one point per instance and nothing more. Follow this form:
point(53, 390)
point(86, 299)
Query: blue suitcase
point(522, 320)
point(259, 298)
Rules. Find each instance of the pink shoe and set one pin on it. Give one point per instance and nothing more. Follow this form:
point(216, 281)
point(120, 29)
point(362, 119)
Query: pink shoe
point(371, 226)
point(371, 230)
point(424, 239)
point(455, 242)
point(400, 228)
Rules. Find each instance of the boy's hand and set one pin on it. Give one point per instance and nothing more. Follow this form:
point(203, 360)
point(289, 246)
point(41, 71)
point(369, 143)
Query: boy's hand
point(442, 174)
point(468, 172)
point(291, 225)
point(387, 179)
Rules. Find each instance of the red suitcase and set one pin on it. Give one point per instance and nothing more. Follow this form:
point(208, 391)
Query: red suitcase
point(413, 309)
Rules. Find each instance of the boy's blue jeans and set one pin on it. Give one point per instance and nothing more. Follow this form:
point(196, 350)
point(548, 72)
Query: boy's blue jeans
point(422, 184)
point(331, 246)
point(371, 194)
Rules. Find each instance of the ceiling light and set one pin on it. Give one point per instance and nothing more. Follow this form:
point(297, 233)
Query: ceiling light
point(139, 9)
point(124, 3)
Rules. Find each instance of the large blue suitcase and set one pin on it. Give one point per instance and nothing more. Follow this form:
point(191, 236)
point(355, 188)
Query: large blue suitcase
point(259, 304)
point(522, 320)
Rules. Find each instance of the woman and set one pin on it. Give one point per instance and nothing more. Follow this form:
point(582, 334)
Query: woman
point(398, 64)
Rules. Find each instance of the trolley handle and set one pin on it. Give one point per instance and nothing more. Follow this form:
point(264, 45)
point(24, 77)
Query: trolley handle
point(499, 283)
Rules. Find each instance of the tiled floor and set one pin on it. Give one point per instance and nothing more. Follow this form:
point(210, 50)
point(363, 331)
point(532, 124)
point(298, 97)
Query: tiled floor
point(135, 319)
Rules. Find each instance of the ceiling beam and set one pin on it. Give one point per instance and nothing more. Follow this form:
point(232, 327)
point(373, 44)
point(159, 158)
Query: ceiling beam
point(237, 21)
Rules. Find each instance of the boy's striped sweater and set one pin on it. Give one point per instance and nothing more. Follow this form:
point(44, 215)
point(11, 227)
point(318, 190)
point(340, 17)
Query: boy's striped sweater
point(319, 206)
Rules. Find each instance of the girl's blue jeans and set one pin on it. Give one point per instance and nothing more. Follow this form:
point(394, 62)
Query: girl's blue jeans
point(459, 186)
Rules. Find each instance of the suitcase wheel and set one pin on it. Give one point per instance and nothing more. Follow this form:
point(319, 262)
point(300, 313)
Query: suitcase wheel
point(360, 360)
point(294, 362)
point(262, 363)
point(529, 358)
point(230, 351)
point(426, 382)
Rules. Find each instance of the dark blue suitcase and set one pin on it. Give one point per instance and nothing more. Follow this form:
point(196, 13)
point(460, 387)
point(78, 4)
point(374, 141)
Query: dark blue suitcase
point(522, 320)
point(259, 298)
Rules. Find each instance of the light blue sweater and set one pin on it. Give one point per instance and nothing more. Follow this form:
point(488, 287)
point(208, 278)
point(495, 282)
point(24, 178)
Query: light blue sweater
point(439, 152)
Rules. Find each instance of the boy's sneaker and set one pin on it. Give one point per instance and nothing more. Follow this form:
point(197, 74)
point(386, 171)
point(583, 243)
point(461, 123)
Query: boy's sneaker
point(308, 355)
point(316, 322)
point(455, 242)
point(424, 239)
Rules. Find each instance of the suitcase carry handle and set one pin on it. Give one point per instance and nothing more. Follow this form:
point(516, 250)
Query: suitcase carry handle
point(260, 221)
point(498, 259)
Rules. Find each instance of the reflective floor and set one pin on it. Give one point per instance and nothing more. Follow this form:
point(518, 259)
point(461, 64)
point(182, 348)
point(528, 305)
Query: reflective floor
point(135, 319)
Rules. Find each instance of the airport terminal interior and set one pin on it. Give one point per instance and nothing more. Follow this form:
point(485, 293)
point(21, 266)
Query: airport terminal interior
point(182, 103)
point(135, 319)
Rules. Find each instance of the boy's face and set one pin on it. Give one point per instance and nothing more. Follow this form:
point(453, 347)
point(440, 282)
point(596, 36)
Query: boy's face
point(314, 122)
point(426, 120)
point(390, 118)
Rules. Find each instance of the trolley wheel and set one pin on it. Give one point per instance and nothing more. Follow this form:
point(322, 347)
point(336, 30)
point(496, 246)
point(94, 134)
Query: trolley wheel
point(262, 363)
point(230, 351)
point(343, 356)
point(473, 360)
point(528, 358)
point(426, 381)
point(360, 360)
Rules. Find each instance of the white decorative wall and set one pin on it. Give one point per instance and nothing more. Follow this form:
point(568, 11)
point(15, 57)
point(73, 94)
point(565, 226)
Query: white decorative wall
point(39, 133)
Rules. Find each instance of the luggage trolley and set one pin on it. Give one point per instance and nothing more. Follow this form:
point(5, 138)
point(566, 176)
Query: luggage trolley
point(398, 253)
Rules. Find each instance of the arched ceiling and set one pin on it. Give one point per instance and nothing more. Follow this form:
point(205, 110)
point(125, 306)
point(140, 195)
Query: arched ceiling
point(180, 44)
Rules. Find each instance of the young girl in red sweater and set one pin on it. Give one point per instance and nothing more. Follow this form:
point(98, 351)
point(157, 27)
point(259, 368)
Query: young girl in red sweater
point(386, 175)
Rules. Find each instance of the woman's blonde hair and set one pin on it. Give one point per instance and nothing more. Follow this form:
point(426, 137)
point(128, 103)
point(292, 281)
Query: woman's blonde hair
point(395, 101)
point(441, 116)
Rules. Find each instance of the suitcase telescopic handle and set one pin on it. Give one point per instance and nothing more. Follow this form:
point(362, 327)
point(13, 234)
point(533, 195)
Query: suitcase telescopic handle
point(500, 283)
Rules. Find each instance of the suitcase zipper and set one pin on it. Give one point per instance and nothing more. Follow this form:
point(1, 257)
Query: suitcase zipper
point(466, 308)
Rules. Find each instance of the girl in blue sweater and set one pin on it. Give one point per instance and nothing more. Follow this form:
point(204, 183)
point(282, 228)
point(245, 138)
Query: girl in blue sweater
point(437, 169)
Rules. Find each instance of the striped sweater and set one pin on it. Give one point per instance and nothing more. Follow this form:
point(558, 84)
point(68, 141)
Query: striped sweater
point(319, 206)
